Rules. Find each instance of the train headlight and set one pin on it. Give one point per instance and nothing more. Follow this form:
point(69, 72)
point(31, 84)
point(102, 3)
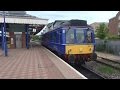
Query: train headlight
point(69, 51)
point(81, 49)
point(90, 49)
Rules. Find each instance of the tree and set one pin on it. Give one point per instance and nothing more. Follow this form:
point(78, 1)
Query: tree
point(36, 38)
point(102, 31)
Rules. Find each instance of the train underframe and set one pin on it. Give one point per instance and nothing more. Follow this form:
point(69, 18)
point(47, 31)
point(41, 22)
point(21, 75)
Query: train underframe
point(76, 59)
point(79, 58)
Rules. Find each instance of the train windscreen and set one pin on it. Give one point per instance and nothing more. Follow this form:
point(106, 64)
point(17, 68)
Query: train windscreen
point(80, 36)
point(70, 36)
point(75, 36)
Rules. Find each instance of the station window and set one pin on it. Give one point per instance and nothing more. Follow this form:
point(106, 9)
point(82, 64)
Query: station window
point(119, 25)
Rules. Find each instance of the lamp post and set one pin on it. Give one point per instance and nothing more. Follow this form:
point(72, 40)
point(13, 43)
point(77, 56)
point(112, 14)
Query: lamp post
point(4, 35)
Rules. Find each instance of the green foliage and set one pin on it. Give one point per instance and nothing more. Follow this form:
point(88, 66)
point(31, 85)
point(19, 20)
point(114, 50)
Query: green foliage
point(101, 31)
point(106, 70)
point(35, 38)
point(113, 37)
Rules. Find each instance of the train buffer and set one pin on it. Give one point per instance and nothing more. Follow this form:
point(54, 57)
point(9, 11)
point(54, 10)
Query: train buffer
point(108, 56)
point(35, 63)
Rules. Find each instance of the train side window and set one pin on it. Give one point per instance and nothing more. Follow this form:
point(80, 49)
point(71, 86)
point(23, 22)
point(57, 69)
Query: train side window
point(60, 37)
point(54, 37)
point(50, 37)
point(57, 37)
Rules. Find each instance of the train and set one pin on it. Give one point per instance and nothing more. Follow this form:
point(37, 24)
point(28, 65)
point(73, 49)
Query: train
point(73, 40)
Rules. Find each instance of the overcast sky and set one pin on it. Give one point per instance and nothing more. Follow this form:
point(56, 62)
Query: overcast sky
point(90, 16)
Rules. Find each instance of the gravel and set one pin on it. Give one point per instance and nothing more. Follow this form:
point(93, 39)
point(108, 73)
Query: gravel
point(96, 66)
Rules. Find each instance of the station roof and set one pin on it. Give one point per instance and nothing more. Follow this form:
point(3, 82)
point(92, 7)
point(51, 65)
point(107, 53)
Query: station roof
point(21, 17)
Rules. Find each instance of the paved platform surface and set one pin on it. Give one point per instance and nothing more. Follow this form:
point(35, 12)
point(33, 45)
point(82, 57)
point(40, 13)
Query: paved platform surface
point(109, 56)
point(35, 63)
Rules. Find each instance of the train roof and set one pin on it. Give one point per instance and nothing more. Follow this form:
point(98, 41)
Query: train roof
point(75, 23)
point(64, 23)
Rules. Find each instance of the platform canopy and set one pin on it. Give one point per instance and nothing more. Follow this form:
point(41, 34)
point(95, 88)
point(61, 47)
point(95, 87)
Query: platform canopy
point(21, 17)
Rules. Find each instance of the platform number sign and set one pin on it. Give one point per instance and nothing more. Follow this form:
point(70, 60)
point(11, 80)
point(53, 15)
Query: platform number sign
point(34, 30)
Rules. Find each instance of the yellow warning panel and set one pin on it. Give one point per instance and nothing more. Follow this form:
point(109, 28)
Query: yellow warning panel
point(79, 49)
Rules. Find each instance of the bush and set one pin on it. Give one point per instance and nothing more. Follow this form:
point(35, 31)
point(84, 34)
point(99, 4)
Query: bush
point(101, 31)
point(113, 37)
point(35, 38)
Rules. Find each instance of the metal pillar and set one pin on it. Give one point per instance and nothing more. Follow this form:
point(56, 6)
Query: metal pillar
point(4, 36)
point(27, 36)
point(2, 30)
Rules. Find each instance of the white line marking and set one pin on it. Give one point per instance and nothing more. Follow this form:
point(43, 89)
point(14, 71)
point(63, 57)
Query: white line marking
point(67, 64)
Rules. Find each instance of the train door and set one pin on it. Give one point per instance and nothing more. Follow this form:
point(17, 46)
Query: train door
point(18, 41)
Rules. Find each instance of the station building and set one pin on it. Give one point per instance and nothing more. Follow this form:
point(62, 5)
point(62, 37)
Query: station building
point(19, 28)
point(114, 25)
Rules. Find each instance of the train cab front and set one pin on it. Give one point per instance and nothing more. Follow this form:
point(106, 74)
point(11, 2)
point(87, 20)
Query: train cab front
point(80, 45)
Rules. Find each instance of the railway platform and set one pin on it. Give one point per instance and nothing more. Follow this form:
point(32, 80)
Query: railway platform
point(0, 52)
point(35, 63)
point(109, 56)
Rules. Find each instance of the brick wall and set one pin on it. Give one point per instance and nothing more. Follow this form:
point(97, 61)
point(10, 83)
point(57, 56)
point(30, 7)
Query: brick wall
point(23, 40)
point(113, 26)
point(12, 44)
point(12, 35)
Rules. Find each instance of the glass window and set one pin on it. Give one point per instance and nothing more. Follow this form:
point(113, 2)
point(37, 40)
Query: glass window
point(89, 37)
point(54, 37)
point(80, 36)
point(60, 37)
point(70, 36)
point(118, 25)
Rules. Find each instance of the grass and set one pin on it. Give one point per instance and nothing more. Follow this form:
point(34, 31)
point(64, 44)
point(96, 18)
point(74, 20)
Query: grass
point(106, 70)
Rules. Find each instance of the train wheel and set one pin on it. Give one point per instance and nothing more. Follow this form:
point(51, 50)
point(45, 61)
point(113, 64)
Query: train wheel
point(71, 59)
point(94, 56)
point(80, 60)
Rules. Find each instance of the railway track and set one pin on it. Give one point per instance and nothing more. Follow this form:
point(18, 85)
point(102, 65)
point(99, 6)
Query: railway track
point(88, 73)
point(110, 63)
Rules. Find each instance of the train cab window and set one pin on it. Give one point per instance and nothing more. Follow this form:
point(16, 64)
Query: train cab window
point(70, 36)
point(80, 36)
point(89, 37)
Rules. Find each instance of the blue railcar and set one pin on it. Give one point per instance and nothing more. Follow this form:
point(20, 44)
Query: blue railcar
point(72, 39)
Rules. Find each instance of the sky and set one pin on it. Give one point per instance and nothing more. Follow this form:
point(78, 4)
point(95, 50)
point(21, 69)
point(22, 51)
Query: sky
point(90, 16)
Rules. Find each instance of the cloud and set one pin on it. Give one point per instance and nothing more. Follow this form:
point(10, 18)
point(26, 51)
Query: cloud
point(90, 16)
